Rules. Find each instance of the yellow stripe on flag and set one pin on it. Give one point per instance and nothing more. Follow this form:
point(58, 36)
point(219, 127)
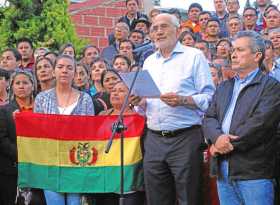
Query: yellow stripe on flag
point(49, 152)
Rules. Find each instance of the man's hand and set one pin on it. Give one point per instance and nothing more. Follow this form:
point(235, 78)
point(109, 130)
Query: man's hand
point(171, 99)
point(223, 144)
point(213, 151)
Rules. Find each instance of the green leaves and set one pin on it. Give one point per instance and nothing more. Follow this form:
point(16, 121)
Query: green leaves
point(46, 22)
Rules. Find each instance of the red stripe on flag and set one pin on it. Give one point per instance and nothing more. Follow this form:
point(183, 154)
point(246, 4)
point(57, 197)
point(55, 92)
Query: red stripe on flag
point(65, 127)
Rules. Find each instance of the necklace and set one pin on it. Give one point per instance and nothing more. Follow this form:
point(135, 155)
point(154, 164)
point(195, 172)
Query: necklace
point(67, 103)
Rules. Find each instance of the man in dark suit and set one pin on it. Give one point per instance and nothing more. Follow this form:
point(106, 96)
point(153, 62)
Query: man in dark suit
point(240, 125)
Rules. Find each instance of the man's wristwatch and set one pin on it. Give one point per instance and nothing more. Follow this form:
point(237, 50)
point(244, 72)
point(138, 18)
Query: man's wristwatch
point(184, 100)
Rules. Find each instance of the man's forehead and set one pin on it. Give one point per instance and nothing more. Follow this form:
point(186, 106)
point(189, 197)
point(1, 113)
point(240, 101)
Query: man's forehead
point(241, 42)
point(162, 19)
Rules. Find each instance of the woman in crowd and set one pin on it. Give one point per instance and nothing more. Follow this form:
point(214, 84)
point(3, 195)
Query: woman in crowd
point(100, 96)
point(68, 49)
point(121, 63)
point(223, 49)
point(4, 81)
point(66, 100)
point(89, 53)
point(117, 97)
point(44, 73)
point(21, 94)
point(187, 38)
point(81, 79)
point(109, 79)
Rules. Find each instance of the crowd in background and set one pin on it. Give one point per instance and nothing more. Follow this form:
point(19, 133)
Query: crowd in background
point(60, 82)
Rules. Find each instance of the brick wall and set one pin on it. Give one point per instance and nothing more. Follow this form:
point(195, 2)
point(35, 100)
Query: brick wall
point(95, 19)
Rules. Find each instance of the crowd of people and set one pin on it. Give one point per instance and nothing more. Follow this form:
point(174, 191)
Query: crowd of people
point(218, 74)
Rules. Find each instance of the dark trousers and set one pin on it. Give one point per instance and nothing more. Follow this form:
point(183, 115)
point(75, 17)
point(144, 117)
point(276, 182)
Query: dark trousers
point(8, 189)
point(173, 168)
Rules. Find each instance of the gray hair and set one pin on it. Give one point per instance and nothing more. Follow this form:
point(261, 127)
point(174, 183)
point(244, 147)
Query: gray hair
point(256, 42)
point(173, 19)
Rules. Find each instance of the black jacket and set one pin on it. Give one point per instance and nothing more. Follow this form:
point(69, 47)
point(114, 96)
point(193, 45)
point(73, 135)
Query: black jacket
point(8, 150)
point(255, 119)
point(131, 25)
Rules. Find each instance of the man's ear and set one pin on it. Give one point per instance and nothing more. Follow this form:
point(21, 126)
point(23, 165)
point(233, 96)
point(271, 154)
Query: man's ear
point(258, 56)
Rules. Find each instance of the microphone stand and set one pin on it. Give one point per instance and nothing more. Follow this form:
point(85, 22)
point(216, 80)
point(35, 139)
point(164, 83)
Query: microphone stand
point(119, 127)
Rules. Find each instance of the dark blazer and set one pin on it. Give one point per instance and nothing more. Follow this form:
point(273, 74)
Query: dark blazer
point(8, 150)
point(255, 119)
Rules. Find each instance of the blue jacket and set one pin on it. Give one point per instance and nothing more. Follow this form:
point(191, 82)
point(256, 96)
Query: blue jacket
point(255, 120)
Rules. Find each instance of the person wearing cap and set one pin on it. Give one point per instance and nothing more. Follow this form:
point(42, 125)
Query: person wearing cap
point(141, 24)
point(4, 81)
point(192, 22)
point(132, 13)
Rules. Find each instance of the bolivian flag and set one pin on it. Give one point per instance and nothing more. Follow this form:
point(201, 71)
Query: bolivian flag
point(66, 153)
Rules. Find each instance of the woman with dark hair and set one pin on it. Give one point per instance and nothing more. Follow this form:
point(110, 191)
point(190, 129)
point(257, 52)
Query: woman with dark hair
point(68, 49)
point(96, 68)
point(89, 53)
point(22, 92)
point(223, 49)
point(118, 94)
point(44, 73)
point(187, 38)
point(121, 63)
point(101, 100)
point(63, 99)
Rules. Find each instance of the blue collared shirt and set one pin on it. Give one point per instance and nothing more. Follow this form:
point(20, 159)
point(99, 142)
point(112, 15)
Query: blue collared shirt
point(239, 84)
point(185, 72)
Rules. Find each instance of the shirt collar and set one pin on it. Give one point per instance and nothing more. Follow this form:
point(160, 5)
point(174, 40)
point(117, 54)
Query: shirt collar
point(179, 48)
point(248, 78)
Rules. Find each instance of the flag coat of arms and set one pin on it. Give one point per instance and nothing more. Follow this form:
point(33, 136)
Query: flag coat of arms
point(66, 153)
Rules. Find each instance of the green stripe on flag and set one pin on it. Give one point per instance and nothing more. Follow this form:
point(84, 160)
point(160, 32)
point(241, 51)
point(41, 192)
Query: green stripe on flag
point(80, 179)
